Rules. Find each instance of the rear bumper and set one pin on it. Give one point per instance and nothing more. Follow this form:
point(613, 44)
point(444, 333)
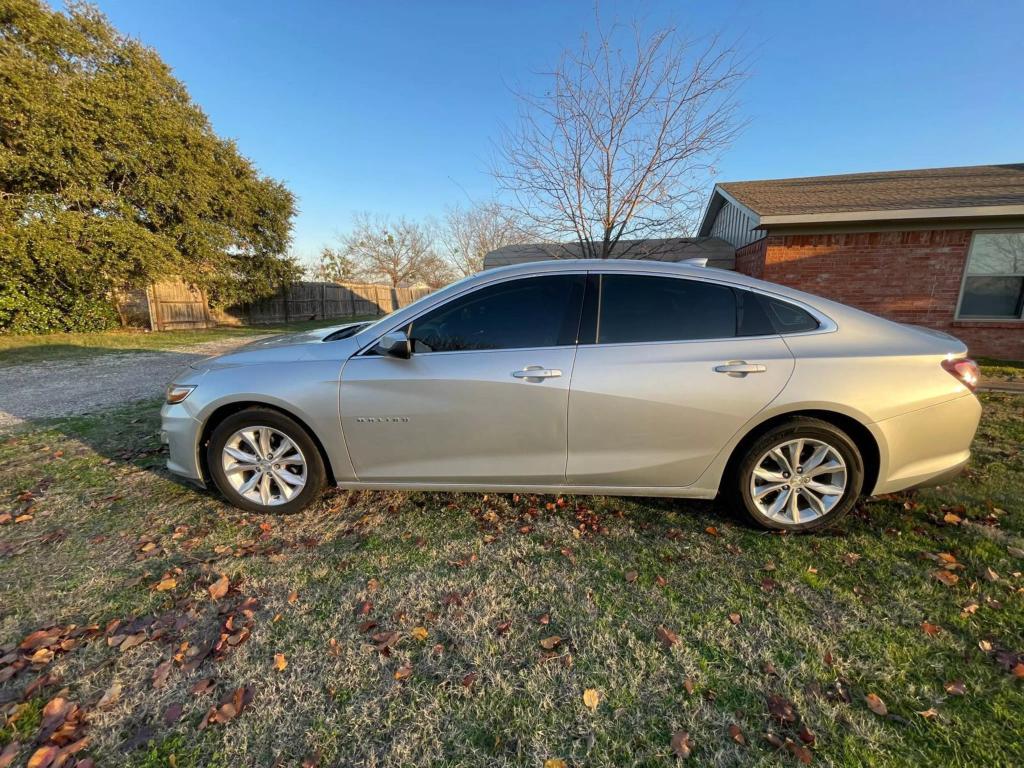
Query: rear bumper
point(925, 447)
point(180, 432)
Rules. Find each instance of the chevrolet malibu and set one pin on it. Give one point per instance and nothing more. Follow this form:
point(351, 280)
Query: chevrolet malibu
point(592, 377)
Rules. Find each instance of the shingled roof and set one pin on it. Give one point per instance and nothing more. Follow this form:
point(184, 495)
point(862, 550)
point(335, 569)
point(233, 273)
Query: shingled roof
point(979, 190)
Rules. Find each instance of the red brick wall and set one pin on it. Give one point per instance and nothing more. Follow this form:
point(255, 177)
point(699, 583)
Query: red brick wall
point(910, 277)
point(750, 258)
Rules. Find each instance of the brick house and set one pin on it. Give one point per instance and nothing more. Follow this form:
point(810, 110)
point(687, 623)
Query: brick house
point(941, 247)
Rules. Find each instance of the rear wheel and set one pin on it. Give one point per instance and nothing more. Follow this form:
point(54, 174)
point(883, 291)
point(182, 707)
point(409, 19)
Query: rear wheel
point(802, 475)
point(264, 461)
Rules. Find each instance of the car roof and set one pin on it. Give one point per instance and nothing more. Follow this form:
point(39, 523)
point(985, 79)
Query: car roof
point(637, 266)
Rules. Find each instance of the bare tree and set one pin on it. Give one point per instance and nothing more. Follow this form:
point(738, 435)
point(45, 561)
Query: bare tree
point(399, 251)
point(471, 233)
point(623, 142)
point(333, 266)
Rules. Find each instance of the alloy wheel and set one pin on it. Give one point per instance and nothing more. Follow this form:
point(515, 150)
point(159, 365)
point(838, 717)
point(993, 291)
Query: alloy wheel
point(264, 465)
point(798, 481)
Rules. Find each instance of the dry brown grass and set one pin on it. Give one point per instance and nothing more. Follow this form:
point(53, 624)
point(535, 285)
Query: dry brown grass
point(817, 626)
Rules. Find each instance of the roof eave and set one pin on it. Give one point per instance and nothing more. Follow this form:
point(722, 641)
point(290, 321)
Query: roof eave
point(905, 214)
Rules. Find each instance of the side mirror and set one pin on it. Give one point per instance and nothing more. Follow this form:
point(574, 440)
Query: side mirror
point(394, 344)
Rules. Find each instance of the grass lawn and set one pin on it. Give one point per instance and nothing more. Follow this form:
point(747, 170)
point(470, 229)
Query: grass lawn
point(33, 348)
point(464, 630)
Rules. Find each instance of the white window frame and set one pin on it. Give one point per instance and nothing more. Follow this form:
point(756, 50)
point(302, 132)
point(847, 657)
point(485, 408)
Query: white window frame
point(966, 274)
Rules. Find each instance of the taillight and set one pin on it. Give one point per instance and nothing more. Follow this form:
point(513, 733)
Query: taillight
point(965, 371)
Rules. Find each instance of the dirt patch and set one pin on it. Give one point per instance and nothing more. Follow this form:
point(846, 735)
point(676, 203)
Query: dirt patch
point(70, 387)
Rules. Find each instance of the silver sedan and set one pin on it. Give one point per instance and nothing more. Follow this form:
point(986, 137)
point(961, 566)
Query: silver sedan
point(596, 377)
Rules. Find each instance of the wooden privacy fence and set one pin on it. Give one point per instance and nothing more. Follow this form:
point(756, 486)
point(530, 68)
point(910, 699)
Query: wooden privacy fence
point(175, 304)
point(325, 301)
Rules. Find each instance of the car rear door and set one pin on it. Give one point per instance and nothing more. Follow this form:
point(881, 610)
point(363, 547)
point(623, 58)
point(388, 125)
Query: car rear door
point(666, 379)
point(483, 399)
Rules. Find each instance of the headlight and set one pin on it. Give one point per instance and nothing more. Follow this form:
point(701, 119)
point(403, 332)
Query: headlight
point(178, 392)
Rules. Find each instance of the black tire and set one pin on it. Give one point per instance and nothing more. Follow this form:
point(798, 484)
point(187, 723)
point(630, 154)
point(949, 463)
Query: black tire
point(315, 475)
point(736, 490)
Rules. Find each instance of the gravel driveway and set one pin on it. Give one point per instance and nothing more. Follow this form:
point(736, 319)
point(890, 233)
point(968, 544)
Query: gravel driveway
point(67, 387)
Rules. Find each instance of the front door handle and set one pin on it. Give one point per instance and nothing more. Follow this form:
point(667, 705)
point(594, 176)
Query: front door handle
point(537, 372)
point(740, 368)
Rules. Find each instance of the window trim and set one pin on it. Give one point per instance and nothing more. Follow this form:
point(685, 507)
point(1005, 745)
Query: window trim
point(825, 323)
point(957, 316)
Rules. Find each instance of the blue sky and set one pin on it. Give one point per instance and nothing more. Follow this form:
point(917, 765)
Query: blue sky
point(392, 107)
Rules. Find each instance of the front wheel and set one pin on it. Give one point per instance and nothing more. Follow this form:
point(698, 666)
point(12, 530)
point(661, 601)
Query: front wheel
point(802, 475)
point(263, 461)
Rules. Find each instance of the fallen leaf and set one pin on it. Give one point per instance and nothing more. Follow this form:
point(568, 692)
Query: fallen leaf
point(280, 662)
point(929, 713)
point(468, 679)
point(544, 619)
point(403, 671)
point(1018, 670)
point(806, 735)
point(419, 633)
point(800, 752)
point(591, 698)
point(167, 584)
point(946, 577)
point(293, 597)
point(876, 705)
point(781, 709)
point(43, 756)
point(632, 576)
point(667, 637)
point(688, 685)
point(131, 641)
point(219, 588)
point(990, 575)
point(736, 734)
point(555, 762)
point(1016, 552)
point(550, 643)
point(9, 752)
point(985, 645)
point(172, 714)
point(930, 629)
point(160, 674)
point(110, 697)
point(660, 580)
point(969, 609)
point(735, 618)
point(711, 530)
point(851, 558)
point(681, 744)
point(952, 519)
point(955, 688)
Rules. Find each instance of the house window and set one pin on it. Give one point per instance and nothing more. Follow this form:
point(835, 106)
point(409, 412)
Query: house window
point(994, 283)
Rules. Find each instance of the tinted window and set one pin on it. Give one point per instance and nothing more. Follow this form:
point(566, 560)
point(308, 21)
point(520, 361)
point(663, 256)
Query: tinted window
point(788, 318)
point(532, 312)
point(751, 317)
point(641, 308)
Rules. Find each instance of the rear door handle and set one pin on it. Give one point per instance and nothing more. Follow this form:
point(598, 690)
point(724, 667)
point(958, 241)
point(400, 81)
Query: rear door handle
point(537, 372)
point(740, 368)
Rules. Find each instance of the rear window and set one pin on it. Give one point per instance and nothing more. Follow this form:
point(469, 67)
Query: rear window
point(788, 318)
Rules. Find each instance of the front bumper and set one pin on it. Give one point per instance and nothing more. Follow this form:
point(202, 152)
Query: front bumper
point(180, 432)
point(927, 446)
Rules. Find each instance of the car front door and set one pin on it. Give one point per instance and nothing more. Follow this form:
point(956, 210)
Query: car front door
point(666, 380)
point(482, 399)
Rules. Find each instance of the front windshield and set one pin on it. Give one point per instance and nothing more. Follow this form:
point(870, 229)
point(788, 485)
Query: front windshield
point(384, 318)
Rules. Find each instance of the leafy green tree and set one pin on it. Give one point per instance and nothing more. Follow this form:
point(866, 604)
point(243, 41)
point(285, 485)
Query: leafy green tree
point(110, 176)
